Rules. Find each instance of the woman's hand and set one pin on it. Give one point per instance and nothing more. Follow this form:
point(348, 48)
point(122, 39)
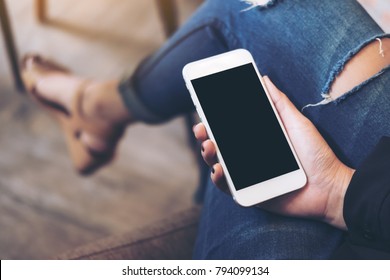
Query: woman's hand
point(328, 178)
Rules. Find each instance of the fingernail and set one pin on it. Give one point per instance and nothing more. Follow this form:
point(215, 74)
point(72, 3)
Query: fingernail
point(212, 170)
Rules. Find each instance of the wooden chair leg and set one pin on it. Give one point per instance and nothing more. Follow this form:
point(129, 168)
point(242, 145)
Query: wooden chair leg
point(168, 13)
point(10, 45)
point(40, 10)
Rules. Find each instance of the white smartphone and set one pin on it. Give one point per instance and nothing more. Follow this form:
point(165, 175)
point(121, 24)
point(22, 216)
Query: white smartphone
point(253, 148)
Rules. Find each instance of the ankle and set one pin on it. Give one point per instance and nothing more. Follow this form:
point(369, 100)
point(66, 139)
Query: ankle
point(102, 100)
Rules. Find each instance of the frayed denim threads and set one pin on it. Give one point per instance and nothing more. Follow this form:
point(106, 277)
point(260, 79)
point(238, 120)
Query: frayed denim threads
point(261, 4)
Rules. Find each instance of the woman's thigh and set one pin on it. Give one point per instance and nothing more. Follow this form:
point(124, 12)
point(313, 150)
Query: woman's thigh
point(300, 44)
point(228, 231)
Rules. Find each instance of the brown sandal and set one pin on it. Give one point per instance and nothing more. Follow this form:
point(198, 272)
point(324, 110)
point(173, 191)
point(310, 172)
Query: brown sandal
point(73, 123)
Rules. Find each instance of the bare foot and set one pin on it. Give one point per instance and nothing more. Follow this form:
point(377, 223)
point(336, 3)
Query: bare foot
point(91, 113)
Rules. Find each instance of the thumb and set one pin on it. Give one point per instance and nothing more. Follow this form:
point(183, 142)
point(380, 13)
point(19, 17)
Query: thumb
point(286, 109)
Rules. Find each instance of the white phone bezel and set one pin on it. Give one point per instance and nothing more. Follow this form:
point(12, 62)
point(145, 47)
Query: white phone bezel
point(259, 192)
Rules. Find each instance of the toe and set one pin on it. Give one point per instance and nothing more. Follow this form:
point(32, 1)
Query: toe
point(94, 144)
point(49, 82)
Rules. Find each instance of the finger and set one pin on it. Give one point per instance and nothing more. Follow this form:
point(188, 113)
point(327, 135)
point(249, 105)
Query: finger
point(200, 132)
point(209, 152)
point(218, 178)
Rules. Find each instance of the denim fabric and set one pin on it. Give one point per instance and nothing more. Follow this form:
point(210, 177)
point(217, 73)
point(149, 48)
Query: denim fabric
point(228, 231)
point(297, 43)
point(158, 81)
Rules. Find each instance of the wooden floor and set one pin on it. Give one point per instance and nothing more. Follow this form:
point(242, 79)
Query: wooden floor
point(45, 208)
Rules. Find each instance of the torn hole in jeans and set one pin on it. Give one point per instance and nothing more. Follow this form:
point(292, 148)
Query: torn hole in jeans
point(358, 68)
point(262, 4)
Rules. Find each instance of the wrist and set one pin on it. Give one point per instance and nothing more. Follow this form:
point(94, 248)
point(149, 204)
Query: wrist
point(335, 204)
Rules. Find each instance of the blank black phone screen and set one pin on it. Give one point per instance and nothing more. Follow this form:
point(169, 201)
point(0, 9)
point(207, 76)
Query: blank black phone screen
point(244, 126)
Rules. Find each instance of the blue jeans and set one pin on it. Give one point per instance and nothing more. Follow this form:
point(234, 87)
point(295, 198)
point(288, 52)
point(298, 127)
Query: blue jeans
point(302, 45)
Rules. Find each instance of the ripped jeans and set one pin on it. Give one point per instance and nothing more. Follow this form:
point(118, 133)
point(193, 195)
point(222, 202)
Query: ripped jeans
point(301, 45)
